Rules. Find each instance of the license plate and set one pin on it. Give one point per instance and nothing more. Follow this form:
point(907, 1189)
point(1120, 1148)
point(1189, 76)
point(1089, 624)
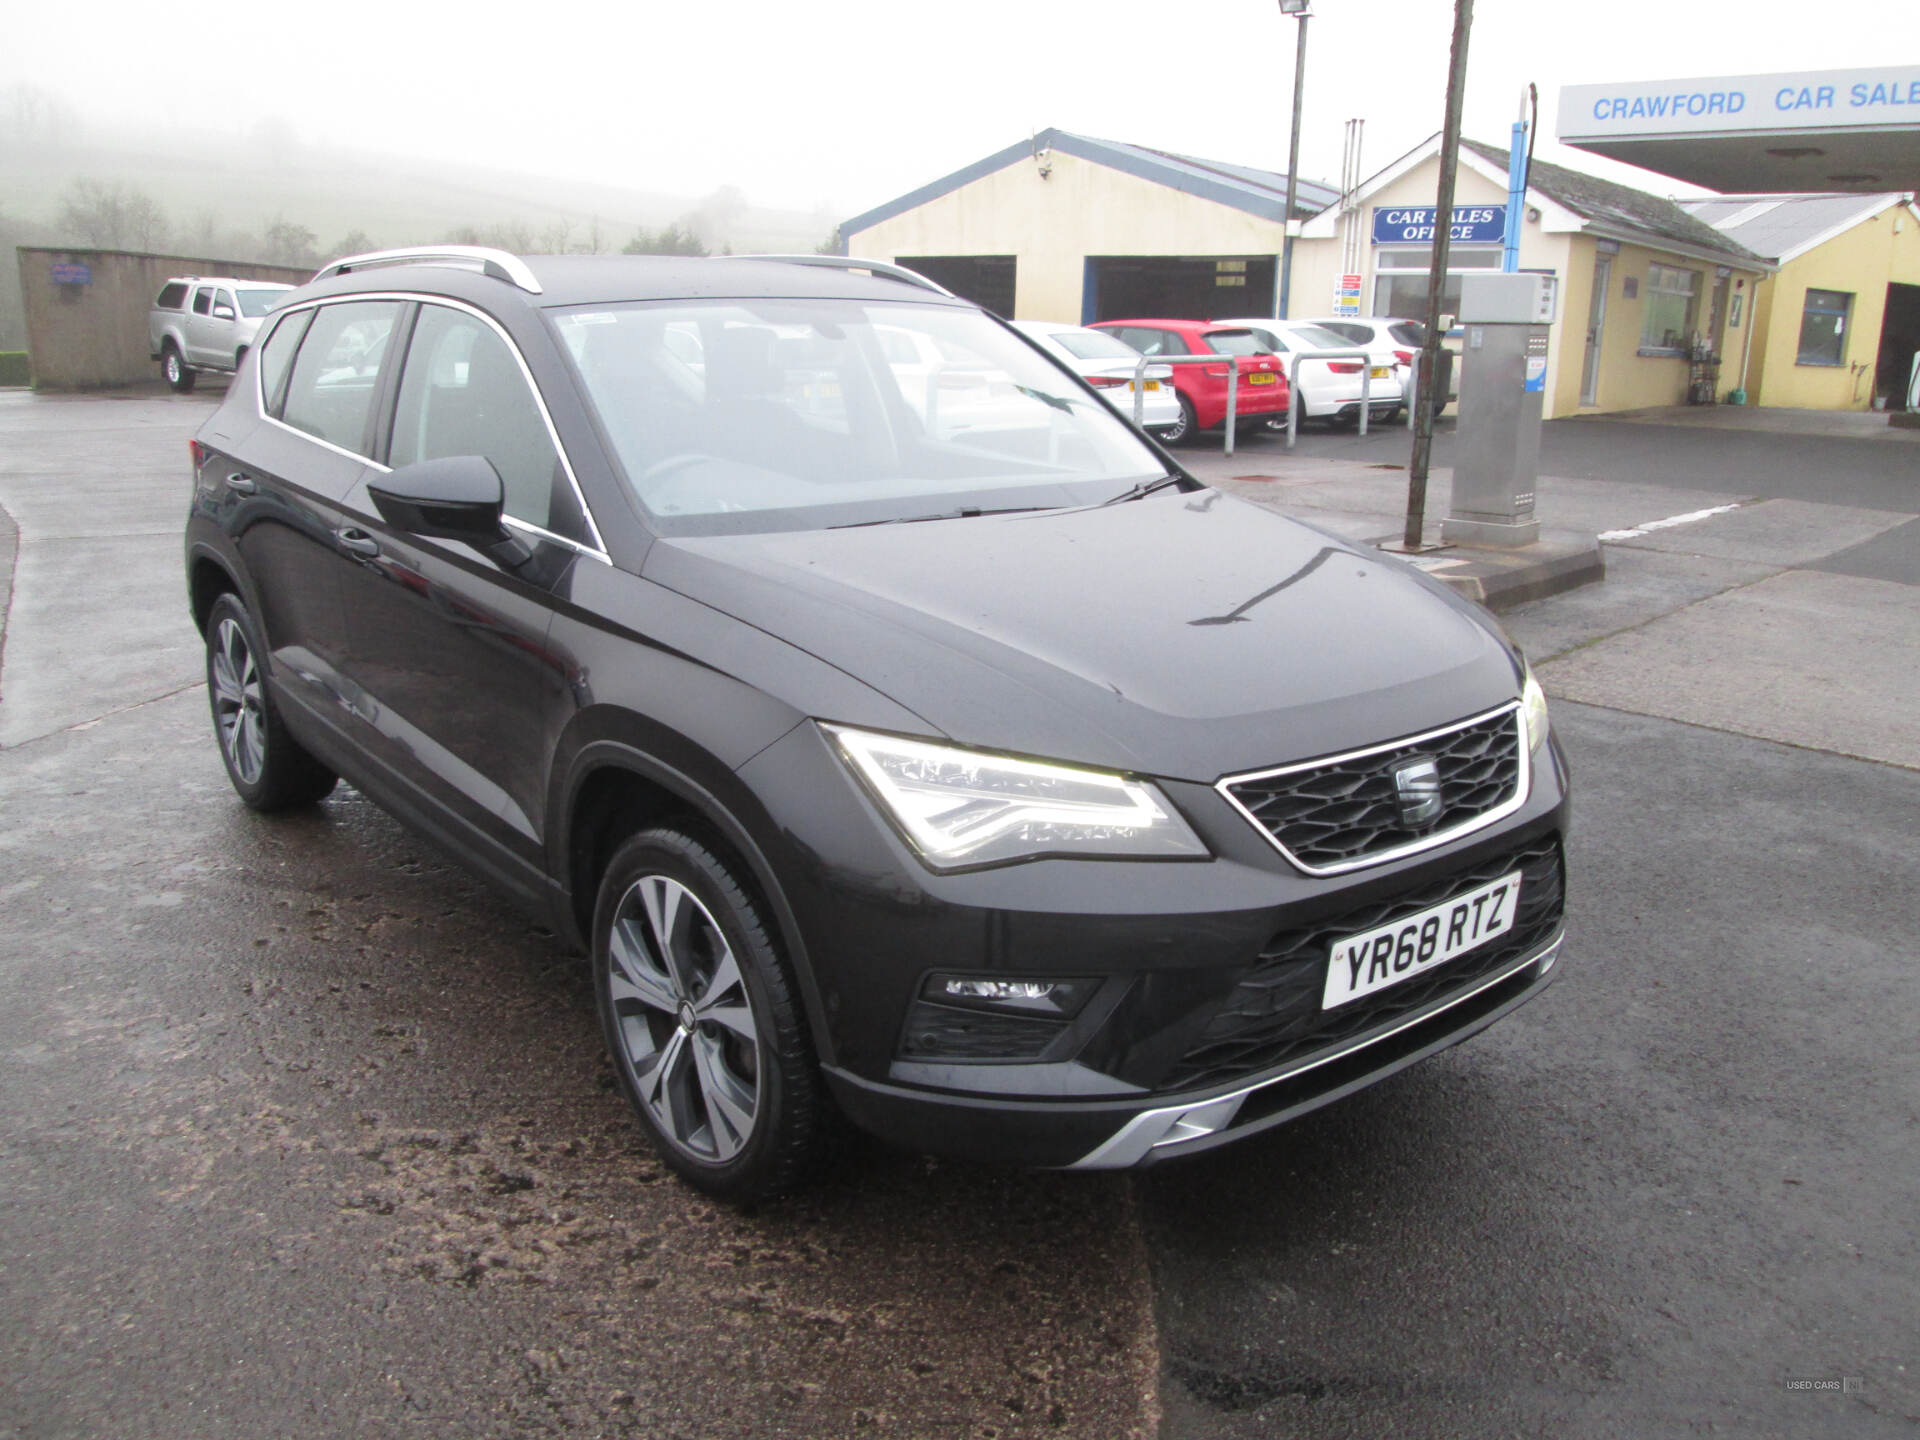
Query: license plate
point(1379, 372)
point(1149, 385)
point(1261, 377)
point(1361, 964)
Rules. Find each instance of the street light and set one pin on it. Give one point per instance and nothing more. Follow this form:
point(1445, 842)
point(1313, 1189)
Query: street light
point(1300, 12)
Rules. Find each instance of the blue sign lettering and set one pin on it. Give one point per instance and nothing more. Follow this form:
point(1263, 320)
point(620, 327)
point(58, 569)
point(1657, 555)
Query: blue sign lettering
point(72, 274)
point(1414, 224)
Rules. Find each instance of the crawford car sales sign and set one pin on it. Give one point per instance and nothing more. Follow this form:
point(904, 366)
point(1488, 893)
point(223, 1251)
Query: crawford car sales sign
point(1413, 224)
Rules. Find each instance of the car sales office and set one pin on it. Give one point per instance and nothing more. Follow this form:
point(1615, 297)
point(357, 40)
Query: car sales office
point(1069, 228)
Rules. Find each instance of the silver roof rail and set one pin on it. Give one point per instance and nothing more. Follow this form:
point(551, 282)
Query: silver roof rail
point(495, 263)
point(883, 268)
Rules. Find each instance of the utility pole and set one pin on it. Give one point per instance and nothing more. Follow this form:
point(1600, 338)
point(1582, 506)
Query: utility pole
point(1297, 9)
point(1429, 402)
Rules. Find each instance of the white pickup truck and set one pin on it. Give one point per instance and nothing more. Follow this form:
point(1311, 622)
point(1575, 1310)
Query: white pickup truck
point(203, 322)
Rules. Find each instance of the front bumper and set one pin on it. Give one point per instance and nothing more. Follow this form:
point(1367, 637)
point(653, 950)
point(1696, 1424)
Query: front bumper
point(1209, 972)
point(1120, 1135)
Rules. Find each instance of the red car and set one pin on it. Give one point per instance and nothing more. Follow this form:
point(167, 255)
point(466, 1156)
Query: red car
point(1203, 388)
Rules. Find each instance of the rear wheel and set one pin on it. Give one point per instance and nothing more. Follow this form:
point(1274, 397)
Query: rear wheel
point(175, 369)
point(269, 768)
point(703, 1019)
point(1188, 427)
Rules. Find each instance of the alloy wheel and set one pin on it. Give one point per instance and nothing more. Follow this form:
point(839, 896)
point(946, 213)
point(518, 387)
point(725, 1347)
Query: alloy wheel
point(687, 1029)
point(239, 703)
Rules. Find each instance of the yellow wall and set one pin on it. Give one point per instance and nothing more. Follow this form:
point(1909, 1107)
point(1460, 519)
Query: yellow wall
point(1051, 225)
point(1861, 262)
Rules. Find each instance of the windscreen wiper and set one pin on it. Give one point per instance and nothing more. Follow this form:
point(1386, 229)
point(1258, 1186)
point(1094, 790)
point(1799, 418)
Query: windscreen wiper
point(1145, 487)
point(965, 512)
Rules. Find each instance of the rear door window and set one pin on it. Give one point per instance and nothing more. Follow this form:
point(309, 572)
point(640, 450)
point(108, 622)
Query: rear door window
point(202, 300)
point(335, 375)
point(463, 393)
point(276, 355)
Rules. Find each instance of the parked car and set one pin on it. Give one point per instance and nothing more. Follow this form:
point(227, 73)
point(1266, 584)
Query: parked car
point(1010, 791)
point(1107, 363)
point(1387, 335)
point(1202, 389)
point(1330, 389)
point(200, 323)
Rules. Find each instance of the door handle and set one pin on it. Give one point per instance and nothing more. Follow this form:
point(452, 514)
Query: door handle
point(242, 484)
point(358, 541)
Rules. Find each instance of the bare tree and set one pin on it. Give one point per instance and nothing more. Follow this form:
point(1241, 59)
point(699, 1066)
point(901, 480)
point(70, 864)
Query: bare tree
point(112, 217)
point(354, 242)
point(715, 217)
point(291, 244)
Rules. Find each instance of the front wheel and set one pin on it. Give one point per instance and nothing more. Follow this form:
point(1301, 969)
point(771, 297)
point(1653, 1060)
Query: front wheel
point(175, 370)
point(270, 770)
point(703, 1019)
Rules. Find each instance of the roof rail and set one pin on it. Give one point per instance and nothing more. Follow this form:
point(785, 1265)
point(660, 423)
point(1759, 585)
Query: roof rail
point(884, 269)
point(495, 263)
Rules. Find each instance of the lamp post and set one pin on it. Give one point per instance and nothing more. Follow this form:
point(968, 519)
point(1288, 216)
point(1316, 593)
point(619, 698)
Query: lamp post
point(1300, 12)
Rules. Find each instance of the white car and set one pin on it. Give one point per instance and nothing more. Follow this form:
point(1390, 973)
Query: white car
point(1389, 337)
point(1107, 363)
point(1330, 389)
point(200, 322)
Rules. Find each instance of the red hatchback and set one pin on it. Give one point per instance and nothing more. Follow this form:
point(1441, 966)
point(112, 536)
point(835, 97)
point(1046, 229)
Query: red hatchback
point(1203, 388)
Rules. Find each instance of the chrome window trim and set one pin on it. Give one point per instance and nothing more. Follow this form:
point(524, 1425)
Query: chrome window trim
point(597, 550)
point(1153, 1129)
point(1523, 786)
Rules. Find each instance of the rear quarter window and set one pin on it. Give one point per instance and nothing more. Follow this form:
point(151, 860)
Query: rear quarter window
point(171, 297)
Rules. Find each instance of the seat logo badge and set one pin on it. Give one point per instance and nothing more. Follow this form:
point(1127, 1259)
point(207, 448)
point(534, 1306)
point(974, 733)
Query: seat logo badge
point(1416, 785)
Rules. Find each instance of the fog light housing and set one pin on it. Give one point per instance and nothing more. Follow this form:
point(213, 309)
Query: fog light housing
point(992, 1017)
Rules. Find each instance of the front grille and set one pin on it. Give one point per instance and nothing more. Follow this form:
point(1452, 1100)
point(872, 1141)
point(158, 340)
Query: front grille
point(1346, 812)
point(1274, 1017)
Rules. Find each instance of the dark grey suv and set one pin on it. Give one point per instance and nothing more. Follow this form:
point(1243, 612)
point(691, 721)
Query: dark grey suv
point(898, 730)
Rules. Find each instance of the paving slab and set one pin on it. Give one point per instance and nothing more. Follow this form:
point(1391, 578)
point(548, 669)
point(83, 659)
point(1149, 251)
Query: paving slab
point(1773, 532)
point(1641, 585)
point(1811, 659)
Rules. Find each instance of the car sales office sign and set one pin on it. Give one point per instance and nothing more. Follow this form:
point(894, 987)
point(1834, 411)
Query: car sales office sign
point(1413, 224)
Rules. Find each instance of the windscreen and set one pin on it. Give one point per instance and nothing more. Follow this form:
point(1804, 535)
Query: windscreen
point(259, 302)
point(752, 415)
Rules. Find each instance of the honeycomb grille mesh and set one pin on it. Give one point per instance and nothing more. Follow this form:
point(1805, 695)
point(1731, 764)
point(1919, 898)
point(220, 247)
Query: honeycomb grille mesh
point(1274, 1017)
point(1349, 810)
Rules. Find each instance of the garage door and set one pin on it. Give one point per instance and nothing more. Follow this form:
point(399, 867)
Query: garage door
point(987, 280)
point(1180, 287)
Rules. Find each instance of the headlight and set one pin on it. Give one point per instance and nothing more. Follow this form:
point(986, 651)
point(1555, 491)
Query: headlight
point(1533, 707)
point(960, 808)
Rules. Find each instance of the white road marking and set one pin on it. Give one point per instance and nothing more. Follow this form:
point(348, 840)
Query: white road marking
point(1669, 522)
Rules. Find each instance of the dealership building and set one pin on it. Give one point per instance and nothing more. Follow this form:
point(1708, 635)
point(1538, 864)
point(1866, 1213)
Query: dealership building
point(1658, 299)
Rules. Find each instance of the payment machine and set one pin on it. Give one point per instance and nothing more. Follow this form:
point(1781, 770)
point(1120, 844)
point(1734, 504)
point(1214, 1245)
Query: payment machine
point(1503, 384)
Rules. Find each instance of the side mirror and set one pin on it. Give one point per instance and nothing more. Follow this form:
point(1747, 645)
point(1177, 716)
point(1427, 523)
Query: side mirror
point(458, 497)
point(223, 312)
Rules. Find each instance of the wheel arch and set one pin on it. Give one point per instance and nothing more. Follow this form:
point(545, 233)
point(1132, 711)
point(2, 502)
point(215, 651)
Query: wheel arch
point(208, 578)
point(613, 790)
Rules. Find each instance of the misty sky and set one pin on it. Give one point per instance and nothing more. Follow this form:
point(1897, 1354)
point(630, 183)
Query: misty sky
point(843, 106)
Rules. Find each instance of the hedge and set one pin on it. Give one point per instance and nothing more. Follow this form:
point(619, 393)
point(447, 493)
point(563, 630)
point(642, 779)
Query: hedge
point(14, 369)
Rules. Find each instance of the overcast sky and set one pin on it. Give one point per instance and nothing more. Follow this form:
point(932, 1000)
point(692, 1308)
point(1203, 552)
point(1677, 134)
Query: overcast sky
point(849, 104)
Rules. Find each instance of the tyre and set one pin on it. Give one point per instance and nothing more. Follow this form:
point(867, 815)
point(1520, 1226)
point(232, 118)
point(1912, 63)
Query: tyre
point(175, 369)
point(1188, 427)
point(268, 767)
point(703, 1019)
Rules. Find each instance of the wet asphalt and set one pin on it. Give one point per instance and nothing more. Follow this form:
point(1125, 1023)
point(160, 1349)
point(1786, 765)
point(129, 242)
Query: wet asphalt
point(303, 1132)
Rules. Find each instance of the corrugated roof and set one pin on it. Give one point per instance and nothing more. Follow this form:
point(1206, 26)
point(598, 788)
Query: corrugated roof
point(1620, 207)
point(1783, 226)
point(1257, 192)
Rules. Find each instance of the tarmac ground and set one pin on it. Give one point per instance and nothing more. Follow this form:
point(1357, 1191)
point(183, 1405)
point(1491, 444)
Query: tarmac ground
point(301, 1131)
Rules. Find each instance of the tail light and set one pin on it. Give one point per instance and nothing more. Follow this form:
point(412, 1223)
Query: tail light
point(1405, 357)
point(1344, 367)
point(199, 454)
point(1218, 371)
point(1107, 382)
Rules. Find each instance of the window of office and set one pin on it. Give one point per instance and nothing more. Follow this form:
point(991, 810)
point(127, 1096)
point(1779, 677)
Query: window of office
point(1672, 308)
point(1823, 327)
